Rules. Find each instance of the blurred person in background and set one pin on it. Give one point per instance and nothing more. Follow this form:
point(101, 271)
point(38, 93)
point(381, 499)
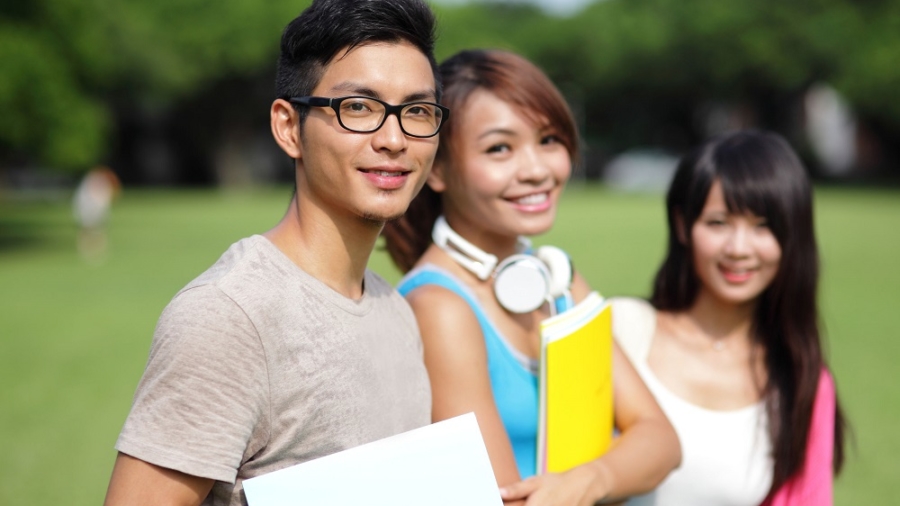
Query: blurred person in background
point(504, 158)
point(91, 205)
point(288, 348)
point(729, 343)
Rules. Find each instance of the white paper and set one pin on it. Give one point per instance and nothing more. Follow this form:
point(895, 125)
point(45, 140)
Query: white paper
point(443, 464)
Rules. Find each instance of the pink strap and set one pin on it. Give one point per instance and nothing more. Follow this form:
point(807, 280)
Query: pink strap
point(812, 486)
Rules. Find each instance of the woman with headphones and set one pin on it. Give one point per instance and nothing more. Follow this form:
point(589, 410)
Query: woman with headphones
point(479, 292)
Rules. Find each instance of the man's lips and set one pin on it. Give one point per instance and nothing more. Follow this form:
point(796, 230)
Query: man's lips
point(386, 178)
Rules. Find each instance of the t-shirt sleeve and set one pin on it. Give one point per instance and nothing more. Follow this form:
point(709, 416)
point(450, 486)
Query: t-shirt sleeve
point(204, 391)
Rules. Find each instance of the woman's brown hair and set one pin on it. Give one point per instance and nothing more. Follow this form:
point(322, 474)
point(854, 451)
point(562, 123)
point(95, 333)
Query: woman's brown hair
point(512, 79)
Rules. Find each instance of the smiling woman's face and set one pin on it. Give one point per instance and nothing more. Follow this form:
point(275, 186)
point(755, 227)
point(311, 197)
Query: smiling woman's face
point(736, 255)
point(505, 174)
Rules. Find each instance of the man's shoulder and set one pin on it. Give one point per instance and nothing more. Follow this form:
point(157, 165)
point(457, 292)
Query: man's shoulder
point(243, 270)
point(389, 308)
point(377, 284)
point(247, 260)
point(382, 291)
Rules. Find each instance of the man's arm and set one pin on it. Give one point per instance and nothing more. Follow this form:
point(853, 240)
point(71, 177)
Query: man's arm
point(135, 482)
point(206, 370)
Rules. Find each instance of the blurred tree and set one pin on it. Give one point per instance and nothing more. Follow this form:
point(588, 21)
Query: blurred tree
point(659, 72)
point(45, 113)
point(65, 65)
point(82, 78)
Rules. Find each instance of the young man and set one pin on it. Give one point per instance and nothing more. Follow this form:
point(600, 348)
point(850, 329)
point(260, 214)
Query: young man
point(288, 349)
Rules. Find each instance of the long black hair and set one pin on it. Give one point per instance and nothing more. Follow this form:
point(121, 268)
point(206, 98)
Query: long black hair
point(760, 174)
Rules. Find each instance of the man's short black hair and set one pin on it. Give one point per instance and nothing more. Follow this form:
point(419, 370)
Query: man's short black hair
point(312, 39)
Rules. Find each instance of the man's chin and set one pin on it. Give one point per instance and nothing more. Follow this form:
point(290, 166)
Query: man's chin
point(384, 213)
point(381, 218)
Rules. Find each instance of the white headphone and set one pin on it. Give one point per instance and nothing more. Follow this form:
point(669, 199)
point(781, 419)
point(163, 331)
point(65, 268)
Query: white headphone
point(522, 282)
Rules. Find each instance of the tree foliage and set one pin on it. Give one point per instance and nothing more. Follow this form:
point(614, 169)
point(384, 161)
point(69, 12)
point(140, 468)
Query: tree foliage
point(636, 70)
point(639, 70)
point(64, 63)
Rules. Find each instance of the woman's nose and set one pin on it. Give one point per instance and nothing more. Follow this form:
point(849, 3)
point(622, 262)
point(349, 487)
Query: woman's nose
point(533, 167)
point(739, 241)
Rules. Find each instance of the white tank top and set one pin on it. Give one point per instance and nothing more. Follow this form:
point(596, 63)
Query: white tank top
point(726, 455)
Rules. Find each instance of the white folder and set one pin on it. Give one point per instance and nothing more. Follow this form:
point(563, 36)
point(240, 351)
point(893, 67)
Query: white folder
point(443, 464)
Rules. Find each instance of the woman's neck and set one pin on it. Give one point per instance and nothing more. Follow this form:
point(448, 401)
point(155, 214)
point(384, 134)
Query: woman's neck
point(720, 324)
point(500, 246)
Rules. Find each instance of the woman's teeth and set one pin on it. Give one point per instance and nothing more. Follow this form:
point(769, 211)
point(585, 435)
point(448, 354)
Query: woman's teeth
point(537, 198)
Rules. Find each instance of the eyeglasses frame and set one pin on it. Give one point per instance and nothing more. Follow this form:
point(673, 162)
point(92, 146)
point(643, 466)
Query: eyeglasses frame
point(389, 109)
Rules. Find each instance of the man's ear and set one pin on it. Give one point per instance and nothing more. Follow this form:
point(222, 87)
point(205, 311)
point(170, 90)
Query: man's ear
point(285, 122)
point(435, 179)
point(680, 229)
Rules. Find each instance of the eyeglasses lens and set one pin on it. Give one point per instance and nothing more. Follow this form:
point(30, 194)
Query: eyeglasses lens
point(365, 115)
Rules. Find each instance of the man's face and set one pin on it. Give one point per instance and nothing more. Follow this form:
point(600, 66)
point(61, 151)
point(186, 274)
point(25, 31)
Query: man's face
point(370, 175)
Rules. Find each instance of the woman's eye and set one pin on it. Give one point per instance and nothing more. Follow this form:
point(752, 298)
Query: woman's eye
point(498, 148)
point(550, 139)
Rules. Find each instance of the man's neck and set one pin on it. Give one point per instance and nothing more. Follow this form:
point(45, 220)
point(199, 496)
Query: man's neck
point(333, 249)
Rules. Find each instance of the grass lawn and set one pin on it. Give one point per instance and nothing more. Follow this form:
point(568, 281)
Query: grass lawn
point(74, 337)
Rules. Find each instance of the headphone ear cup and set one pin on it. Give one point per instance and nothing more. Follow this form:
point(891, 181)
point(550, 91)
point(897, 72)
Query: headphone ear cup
point(521, 283)
point(560, 268)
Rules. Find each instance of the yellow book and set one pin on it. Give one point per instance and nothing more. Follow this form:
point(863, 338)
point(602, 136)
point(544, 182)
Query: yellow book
point(576, 394)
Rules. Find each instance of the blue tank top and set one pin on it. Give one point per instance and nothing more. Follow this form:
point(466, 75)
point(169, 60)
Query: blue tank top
point(515, 388)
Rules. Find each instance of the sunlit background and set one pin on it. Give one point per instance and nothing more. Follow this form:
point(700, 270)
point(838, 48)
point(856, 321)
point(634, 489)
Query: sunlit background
point(169, 100)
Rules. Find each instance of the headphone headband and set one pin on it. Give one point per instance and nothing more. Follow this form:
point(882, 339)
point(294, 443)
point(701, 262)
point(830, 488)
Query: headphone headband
point(474, 259)
point(522, 282)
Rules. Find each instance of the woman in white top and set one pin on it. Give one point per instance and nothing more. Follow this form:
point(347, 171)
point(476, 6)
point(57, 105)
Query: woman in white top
point(729, 342)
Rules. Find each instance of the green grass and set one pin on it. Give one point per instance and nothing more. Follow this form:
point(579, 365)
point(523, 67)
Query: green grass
point(74, 337)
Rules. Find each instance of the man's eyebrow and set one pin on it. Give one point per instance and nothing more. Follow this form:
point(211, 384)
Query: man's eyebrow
point(422, 95)
point(359, 89)
point(356, 89)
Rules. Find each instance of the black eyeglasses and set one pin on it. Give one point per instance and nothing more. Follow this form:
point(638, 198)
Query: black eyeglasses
point(367, 114)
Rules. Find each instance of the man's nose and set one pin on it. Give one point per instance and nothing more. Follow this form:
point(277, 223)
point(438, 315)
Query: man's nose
point(390, 136)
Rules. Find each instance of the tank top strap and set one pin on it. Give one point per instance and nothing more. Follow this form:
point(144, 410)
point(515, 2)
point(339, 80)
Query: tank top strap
point(430, 275)
point(496, 343)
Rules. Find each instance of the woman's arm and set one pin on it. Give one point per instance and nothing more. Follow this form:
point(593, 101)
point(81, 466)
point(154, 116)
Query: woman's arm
point(648, 448)
point(456, 359)
point(638, 460)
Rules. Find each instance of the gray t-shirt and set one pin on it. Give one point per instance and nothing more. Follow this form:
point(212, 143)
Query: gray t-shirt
point(256, 366)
